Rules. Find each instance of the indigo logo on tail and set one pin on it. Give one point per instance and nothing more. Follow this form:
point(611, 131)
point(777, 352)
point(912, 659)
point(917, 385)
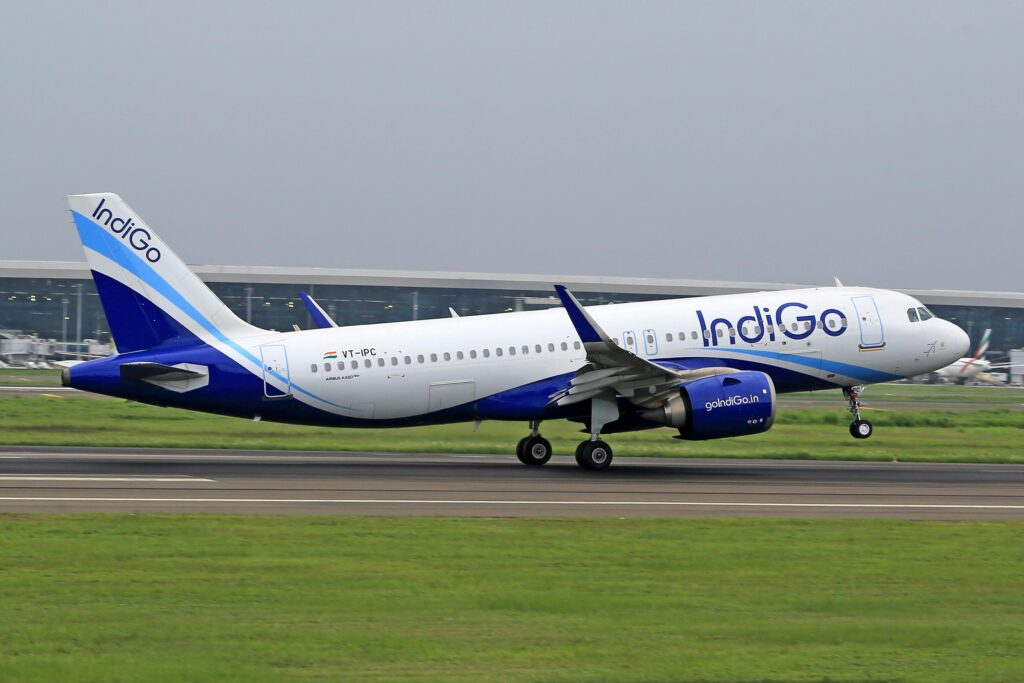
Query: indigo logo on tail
point(126, 229)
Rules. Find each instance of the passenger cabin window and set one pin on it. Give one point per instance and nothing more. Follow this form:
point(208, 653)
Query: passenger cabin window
point(408, 360)
point(912, 314)
point(447, 356)
point(394, 360)
point(327, 367)
point(419, 358)
point(925, 314)
point(551, 347)
point(537, 348)
point(433, 358)
point(525, 349)
point(498, 351)
point(693, 335)
point(380, 362)
point(459, 355)
point(312, 368)
point(668, 336)
point(511, 350)
point(576, 345)
point(565, 347)
point(367, 363)
point(472, 354)
point(355, 364)
point(487, 353)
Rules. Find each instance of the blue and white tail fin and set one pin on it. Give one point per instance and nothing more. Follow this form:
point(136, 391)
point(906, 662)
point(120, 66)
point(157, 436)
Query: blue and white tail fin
point(151, 298)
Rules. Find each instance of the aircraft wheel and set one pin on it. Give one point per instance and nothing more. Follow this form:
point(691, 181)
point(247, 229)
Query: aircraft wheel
point(594, 455)
point(534, 450)
point(520, 449)
point(861, 429)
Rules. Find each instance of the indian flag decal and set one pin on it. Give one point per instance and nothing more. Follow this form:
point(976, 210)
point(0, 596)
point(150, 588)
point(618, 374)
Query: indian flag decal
point(330, 354)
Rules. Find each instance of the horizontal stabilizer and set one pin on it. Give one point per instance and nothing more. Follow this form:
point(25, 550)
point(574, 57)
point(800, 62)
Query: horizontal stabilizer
point(178, 378)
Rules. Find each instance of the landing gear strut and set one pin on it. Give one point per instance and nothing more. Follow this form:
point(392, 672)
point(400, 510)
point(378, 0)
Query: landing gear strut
point(533, 450)
point(859, 429)
point(595, 454)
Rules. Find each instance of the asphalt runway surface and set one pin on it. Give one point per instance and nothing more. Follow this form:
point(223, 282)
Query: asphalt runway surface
point(272, 482)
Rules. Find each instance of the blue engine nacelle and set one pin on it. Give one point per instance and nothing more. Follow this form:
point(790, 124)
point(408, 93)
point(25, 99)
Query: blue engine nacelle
point(733, 404)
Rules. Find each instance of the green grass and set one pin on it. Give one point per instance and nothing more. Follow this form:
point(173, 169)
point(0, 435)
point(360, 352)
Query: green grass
point(216, 598)
point(29, 377)
point(995, 435)
point(931, 393)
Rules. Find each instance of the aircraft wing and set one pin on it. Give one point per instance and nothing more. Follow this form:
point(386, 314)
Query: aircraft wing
point(611, 367)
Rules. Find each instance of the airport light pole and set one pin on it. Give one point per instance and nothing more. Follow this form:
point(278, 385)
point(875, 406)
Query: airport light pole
point(78, 316)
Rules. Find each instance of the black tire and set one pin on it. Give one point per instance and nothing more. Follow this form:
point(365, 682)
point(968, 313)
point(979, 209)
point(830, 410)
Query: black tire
point(594, 455)
point(579, 449)
point(534, 451)
point(521, 450)
point(861, 429)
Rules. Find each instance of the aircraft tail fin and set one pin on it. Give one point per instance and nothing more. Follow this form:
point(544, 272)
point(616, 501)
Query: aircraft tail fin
point(983, 346)
point(151, 298)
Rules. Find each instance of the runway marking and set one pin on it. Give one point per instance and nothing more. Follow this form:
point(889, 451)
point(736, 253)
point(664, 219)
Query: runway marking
point(71, 477)
point(622, 503)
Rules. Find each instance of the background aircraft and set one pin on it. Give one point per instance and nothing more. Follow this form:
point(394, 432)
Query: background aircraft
point(966, 369)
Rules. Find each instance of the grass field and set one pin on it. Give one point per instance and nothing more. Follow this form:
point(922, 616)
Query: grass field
point(29, 377)
point(991, 435)
point(210, 598)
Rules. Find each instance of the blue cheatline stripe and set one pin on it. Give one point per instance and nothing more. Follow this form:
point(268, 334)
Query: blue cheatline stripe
point(855, 371)
point(99, 240)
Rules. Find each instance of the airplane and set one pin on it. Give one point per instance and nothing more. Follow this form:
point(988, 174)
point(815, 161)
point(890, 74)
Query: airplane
point(709, 367)
point(965, 369)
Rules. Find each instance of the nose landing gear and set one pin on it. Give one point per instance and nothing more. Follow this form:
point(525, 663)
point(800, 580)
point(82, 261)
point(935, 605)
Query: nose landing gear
point(859, 428)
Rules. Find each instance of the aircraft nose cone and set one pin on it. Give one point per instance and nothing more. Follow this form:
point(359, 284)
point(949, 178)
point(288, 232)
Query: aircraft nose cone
point(960, 343)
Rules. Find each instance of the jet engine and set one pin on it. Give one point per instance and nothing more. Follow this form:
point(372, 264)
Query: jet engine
point(721, 406)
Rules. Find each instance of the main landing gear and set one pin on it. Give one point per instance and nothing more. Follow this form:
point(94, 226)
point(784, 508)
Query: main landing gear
point(533, 450)
point(859, 429)
point(592, 454)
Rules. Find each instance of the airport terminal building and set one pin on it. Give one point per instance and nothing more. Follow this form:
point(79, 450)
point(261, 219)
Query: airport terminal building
point(57, 300)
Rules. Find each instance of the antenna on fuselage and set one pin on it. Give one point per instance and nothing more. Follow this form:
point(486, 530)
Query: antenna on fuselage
point(838, 283)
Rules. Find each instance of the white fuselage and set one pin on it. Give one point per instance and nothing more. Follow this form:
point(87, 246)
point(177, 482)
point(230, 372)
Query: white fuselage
point(804, 339)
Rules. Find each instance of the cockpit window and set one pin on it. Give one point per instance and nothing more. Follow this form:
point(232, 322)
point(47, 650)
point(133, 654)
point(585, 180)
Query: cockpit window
point(912, 314)
point(925, 314)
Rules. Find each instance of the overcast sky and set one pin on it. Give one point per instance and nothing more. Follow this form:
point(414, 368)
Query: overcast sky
point(767, 141)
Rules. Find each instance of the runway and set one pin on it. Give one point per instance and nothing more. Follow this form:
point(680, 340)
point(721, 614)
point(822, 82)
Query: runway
point(273, 482)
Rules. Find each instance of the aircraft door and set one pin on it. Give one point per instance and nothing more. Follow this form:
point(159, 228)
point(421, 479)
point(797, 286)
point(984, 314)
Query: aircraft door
point(651, 342)
point(629, 339)
point(872, 336)
point(275, 371)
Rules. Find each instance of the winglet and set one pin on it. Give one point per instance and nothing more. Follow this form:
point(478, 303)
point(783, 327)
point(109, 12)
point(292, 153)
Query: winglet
point(588, 330)
point(318, 314)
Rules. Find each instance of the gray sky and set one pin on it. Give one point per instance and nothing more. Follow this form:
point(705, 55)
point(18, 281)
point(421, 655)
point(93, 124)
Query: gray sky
point(771, 141)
